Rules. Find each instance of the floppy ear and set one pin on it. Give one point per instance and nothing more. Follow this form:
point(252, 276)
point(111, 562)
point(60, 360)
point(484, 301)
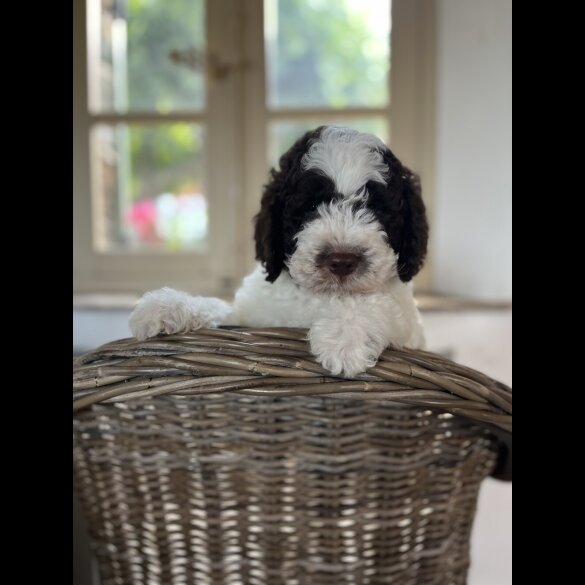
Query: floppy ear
point(415, 235)
point(403, 216)
point(269, 229)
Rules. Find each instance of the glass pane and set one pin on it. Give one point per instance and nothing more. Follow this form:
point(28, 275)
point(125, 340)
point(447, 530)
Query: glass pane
point(148, 184)
point(146, 55)
point(282, 135)
point(324, 53)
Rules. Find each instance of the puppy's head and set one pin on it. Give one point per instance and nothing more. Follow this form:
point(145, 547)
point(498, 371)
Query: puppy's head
point(341, 214)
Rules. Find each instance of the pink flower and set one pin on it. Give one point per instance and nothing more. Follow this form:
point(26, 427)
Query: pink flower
point(142, 217)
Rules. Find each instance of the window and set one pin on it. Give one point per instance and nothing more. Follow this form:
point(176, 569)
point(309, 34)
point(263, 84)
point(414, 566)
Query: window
point(336, 71)
point(181, 106)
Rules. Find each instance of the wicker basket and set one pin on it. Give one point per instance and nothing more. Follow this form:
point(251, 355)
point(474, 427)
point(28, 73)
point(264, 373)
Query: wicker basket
point(228, 456)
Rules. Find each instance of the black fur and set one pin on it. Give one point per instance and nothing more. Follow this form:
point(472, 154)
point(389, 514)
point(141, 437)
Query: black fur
point(400, 209)
point(292, 195)
point(282, 191)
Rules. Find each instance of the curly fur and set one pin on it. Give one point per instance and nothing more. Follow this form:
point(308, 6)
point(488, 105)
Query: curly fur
point(342, 226)
point(400, 209)
point(349, 158)
point(335, 191)
point(280, 190)
point(170, 311)
point(298, 187)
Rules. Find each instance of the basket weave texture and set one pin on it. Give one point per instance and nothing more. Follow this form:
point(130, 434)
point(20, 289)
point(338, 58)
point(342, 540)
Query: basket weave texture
point(229, 456)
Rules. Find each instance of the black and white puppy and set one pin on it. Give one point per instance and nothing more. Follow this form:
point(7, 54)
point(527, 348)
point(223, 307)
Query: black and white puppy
point(340, 234)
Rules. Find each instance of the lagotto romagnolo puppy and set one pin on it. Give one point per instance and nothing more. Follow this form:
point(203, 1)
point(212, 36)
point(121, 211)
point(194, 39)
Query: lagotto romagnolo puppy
point(340, 234)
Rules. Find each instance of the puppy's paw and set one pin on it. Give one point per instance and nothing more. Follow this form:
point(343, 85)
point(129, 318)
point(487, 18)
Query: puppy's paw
point(343, 347)
point(170, 311)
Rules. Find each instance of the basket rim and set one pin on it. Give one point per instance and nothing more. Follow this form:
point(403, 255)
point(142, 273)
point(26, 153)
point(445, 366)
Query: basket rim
point(277, 362)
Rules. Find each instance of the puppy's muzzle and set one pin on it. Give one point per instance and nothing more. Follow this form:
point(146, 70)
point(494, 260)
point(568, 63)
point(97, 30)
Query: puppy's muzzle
point(341, 263)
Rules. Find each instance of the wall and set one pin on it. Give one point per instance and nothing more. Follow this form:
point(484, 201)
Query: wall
point(472, 234)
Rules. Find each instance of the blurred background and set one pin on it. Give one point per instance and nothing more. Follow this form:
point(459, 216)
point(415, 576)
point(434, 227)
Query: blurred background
point(182, 106)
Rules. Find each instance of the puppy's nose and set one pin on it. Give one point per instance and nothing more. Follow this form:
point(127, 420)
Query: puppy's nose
point(341, 263)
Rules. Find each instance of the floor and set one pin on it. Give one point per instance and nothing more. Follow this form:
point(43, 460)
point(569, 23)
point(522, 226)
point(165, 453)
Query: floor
point(481, 339)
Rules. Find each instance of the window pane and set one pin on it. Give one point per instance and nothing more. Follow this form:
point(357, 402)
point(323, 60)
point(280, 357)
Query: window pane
point(324, 53)
point(146, 55)
point(282, 135)
point(148, 184)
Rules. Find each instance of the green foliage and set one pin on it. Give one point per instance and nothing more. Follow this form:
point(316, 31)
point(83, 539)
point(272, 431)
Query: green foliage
point(326, 54)
point(155, 28)
point(157, 152)
point(165, 145)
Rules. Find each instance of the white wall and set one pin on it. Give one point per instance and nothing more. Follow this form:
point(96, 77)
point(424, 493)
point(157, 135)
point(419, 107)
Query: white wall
point(471, 231)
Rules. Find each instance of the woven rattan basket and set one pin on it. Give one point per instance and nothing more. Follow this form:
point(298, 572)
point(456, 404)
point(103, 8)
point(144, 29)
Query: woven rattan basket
point(228, 456)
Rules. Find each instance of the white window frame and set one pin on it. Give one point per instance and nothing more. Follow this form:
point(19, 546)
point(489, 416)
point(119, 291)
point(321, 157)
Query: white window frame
point(129, 271)
point(236, 123)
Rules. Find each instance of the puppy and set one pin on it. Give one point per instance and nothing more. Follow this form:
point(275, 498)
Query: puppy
point(340, 234)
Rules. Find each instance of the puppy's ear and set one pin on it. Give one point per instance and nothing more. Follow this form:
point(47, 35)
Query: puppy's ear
point(268, 231)
point(404, 216)
point(415, 235)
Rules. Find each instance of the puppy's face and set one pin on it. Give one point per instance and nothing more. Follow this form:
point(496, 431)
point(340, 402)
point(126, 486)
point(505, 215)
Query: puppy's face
point(334, 243)
point(342, 215)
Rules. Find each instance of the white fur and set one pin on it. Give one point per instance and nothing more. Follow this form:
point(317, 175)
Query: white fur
point(347, 333)
point(348, 157)
point(351, 320)
point(339, 229)
point(171, 311)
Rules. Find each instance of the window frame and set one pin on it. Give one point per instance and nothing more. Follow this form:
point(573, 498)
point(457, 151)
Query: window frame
point(121, 271)
point(236, 128)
